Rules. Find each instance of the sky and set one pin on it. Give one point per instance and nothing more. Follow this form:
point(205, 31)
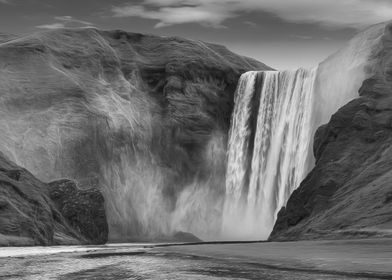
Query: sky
point(284, 34)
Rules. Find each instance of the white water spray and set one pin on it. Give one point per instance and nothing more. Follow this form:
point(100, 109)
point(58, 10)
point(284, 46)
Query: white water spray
point(276, 153)
point(269, 157)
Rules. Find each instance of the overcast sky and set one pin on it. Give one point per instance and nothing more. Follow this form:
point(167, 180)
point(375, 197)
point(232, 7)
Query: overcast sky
point(282, 33)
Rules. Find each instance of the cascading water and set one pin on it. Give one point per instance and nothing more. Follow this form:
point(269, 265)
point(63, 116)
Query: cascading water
point(271, 134)
point(267, 158)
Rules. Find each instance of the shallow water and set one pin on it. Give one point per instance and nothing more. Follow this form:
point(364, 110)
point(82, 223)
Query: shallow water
point(133, 262)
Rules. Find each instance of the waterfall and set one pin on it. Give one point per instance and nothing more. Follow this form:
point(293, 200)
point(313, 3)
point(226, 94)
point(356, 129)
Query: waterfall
point(268, 149)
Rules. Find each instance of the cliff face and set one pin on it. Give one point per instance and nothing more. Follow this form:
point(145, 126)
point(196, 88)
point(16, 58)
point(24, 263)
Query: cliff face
point(348, 193)
point(29, 216)
point(144, 118)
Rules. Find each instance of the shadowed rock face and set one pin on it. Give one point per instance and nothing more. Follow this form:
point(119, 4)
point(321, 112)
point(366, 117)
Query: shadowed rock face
point(25, 209)
point(83, 209)
point(348, 193)
point(28, 216)
point(143, 117)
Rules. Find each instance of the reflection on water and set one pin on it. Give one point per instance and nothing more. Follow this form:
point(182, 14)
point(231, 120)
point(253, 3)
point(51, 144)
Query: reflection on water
point(48, 250)
point(141, 264)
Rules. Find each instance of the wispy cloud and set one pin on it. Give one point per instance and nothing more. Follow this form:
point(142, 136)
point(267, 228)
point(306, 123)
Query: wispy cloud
point(56, 25)
point(169, 15)
point(251, 24)
point(65, 21)
point(5, 2)
point(335, 13)
point(69, 19)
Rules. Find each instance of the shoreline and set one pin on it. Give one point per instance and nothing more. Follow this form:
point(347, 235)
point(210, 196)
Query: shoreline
point(358, 258)
point(371, 258)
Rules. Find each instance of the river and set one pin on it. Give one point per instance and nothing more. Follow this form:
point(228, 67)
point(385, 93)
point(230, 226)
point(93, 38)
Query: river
point(207, 261)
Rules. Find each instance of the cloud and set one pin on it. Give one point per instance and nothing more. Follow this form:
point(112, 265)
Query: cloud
point(170, 15)
point(251, 24)
point(65, 21)
point(69, 19)
point(5, 2)
point(56, 25)
point(332, 13)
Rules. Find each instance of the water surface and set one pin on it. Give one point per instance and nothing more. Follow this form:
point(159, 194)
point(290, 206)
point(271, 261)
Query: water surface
point(137, 262)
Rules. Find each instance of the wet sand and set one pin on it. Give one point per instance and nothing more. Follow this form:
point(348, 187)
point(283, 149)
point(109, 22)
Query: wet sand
point(362, 258)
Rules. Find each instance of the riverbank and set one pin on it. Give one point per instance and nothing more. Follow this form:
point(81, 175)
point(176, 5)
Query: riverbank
point(362, 257)
point(327, 260)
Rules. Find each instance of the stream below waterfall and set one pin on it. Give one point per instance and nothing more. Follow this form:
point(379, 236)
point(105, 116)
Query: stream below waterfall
point(142, 261)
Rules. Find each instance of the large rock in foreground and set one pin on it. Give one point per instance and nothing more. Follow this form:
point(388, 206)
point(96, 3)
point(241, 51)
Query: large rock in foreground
point(28, 216)
point(349, 192)
point(83, 209)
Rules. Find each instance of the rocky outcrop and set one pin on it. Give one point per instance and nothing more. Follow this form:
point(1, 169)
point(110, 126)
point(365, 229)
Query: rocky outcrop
point(143, 117)
point(186, 237)
point(28, 216)
point(83, 209)
point(348, 193)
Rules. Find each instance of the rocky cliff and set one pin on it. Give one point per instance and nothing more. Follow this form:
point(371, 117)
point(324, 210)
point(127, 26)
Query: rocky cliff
point(144, 118)
point(349, 192)
point(31, 215)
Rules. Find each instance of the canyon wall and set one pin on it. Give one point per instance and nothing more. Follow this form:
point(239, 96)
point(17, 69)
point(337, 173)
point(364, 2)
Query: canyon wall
point(144, 118)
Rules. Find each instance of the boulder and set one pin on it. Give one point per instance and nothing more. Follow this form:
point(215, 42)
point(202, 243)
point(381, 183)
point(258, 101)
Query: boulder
point(83, 209)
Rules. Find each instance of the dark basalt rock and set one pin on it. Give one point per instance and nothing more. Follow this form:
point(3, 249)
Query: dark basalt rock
point(186, 237)
point(348, 192)
point(83, 209)
point(28, 216)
